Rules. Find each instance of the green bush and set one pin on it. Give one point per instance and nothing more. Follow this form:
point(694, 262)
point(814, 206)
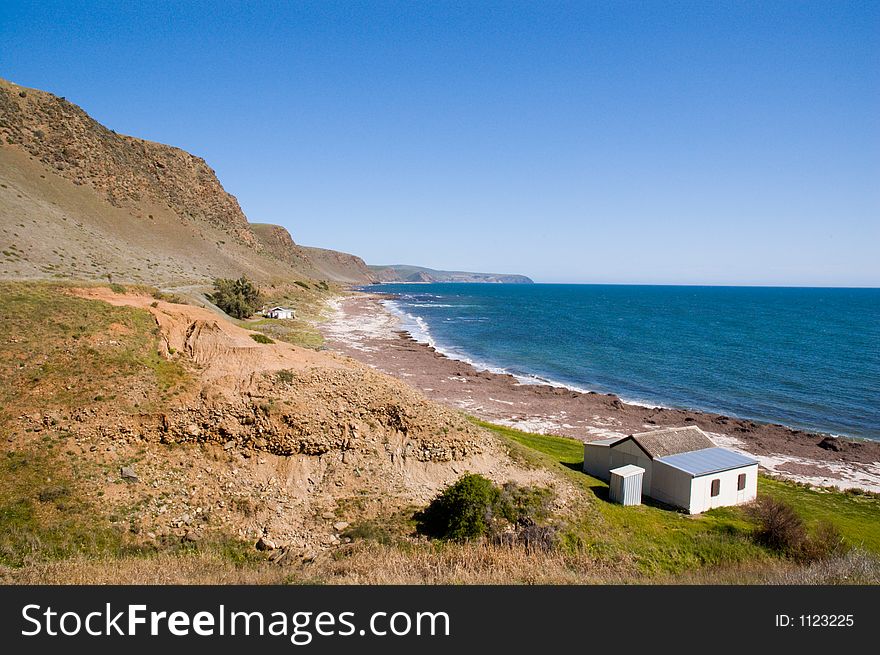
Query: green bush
point(261, 338)
point(475, 507)
point(517, 503)
point(239, 298)
point(464, 510)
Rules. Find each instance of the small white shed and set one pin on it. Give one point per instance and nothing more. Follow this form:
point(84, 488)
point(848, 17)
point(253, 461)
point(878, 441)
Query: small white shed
point(625, 486)
point(280, 312)
point(680, 467)
point(597, 457)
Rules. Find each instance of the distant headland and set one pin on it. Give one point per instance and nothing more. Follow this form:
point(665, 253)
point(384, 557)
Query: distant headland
point(403, 273)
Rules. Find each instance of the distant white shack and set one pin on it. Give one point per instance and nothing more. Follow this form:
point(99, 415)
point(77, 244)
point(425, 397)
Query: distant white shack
point(280, 312)
point(682, 467)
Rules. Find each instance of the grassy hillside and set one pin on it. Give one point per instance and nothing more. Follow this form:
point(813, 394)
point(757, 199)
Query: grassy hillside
point(309, 301)
point(60, 356)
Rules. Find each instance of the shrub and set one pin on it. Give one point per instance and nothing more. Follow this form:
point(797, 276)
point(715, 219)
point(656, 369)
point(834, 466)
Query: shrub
point(778, 525)
point(53, 493)
point(301, 284)
point(824, 543)
point(475, 507)
point(168, 297)
point(285, 376)
point(370, 531)
point(517, 502)
point(239, 298)
point(261, 338)
point(529, 535)
point(780, 528)
point(462, 511)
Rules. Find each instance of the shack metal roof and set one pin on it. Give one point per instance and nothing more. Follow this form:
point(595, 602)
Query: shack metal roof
point(604, 442)
point(707, 461)
point(672, 441)
point(627, 470)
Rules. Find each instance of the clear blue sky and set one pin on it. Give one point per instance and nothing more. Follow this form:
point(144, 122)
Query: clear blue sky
point(681, 142)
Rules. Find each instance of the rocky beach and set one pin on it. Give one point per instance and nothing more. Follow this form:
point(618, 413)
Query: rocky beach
point(362, 328)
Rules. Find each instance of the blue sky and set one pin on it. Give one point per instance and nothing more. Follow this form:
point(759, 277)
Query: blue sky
point(681, 142)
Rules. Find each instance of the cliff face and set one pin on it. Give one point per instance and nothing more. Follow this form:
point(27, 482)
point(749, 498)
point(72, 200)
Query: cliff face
point(123, 169)
point(317, 262)
point(97, 204)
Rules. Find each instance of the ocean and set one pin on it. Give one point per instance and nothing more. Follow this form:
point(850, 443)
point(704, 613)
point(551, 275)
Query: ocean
point(806, 358)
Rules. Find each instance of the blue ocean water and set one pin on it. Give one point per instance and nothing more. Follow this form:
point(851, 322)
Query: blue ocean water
point(807, 358)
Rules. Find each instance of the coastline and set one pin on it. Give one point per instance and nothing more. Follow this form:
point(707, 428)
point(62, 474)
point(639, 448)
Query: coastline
point(360, 327)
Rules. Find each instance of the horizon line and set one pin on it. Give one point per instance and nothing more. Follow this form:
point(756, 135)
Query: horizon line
point(652, 284)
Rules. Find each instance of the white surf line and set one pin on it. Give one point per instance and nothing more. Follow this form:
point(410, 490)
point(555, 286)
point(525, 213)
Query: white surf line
point(356, 330)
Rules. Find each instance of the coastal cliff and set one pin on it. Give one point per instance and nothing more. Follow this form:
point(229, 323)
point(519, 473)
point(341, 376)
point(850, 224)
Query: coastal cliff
point(98, 204)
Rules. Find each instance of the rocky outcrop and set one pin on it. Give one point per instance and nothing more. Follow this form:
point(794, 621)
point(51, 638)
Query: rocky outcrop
point(358, 415)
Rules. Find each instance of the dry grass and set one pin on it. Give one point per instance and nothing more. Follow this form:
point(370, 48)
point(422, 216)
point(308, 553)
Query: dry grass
point(453, 563)
point(856, 567)
point(374, 563)
point(366, 563)
point(162, 569)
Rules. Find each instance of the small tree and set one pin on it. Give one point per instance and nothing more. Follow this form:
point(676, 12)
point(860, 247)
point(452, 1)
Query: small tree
point(239, 298)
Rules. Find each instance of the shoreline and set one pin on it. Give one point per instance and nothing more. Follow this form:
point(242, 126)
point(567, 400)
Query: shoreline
point(361, 327)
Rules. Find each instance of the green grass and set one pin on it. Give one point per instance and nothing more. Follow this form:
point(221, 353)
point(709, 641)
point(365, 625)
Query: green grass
point(296, 331)
point(856, 516)
point(663, 540)
point(42, 520)
point(67, 351)
point(261, 338)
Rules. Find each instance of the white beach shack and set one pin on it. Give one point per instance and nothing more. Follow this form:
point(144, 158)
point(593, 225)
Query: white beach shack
point(682, 467)
point(279, 312)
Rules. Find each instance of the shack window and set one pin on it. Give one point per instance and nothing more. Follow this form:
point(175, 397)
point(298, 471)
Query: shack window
point(716, 487)
point(741, 482)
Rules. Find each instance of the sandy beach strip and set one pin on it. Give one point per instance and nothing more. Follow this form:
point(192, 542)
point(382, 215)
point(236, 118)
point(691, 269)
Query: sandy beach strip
point(360, 327)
